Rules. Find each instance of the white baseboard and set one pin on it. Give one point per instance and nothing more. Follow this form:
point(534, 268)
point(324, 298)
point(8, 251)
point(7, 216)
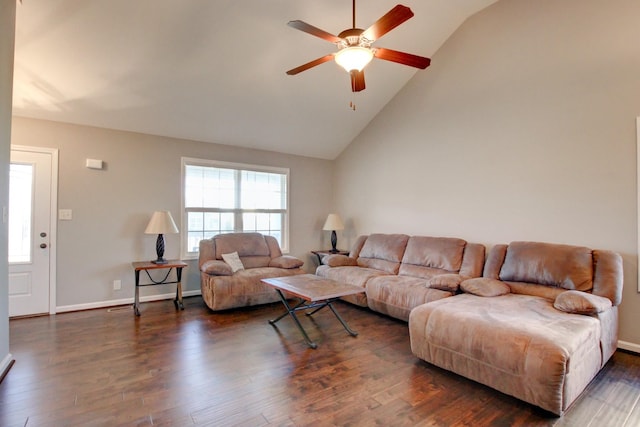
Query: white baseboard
point(124, 301)
point(6, 363)
point(629, 346)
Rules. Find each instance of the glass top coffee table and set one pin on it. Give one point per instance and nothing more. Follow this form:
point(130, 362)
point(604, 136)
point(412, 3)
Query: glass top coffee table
point(315, 293)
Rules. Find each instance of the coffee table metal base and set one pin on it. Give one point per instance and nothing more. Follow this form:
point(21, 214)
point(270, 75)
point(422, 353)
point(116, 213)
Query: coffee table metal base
point(305, 305)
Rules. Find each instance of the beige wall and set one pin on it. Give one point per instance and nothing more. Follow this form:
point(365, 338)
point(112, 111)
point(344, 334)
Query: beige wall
point(7, 35)
point(522, 129)
point(111, 207)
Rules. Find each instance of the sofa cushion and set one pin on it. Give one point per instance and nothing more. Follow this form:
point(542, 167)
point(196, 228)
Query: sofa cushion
point(581, 303)
point(286, 261)
point(337, 260)
point(246, 244)
point(396, 296)
point(234, 261)
point(446, 282)
point(358, 276)
point(563, 266)
point(383, 252)
point(255, 261)
point(517, 344)
point(535, 290)
point(420, 271)
point(436, 252)
point(485, 287)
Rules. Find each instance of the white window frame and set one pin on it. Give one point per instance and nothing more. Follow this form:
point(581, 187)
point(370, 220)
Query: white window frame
point(190, 161)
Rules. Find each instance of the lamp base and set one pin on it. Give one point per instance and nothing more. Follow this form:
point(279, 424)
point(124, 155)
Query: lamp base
point(334, 242)
point(160, 250)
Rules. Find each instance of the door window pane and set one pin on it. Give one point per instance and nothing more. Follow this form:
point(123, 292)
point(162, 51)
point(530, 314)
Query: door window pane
point(20, 208)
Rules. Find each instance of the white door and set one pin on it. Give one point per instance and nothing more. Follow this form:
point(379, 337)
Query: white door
point(30, 193)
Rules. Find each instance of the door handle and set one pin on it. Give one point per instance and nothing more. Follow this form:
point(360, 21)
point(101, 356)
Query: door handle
point(43, 245)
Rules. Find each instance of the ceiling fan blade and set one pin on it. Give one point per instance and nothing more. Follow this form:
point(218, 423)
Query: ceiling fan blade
point(357, 81)
point(310, 64)
point(388, 22)
point(314, 31)
point(402, 58)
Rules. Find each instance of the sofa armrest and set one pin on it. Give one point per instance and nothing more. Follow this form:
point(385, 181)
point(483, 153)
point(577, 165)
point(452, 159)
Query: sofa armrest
point(581, 303)
point(337, 260)
point(494, 261)
point(286, 261)
point(216, 268)
point(473, 260)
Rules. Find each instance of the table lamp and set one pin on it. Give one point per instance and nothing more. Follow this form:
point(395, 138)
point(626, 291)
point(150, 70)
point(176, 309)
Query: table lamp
point(161, 223)
point(333, 223)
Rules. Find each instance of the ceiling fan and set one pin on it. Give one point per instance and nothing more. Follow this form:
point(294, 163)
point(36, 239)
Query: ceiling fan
point(354, 45)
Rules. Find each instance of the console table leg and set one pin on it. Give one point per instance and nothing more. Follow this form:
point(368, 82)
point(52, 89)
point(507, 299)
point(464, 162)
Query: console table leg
point(291, 311)
point(178, 301)
point(136, 298)
point(346, 327)
point(311, 313)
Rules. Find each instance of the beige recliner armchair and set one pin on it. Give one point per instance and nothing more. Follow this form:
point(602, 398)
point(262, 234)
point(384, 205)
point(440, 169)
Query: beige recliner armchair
point(227, 285)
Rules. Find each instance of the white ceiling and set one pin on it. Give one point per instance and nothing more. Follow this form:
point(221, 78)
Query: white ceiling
point(214, 71)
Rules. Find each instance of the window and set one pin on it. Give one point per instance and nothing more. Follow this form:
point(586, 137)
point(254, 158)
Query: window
point(221, 197)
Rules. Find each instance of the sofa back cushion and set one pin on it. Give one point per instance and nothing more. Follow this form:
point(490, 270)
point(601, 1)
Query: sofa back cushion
point(561, 266)
point(383, 252)
point(444, 253)
point(427, 257)
point(251, 247)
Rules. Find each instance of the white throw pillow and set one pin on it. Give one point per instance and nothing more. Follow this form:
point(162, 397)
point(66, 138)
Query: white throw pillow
point(234, 261)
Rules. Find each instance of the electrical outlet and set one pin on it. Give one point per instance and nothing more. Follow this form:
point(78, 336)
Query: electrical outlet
point(65, 214)
point(117, 285)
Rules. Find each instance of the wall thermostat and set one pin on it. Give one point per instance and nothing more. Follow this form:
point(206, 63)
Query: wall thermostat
point(94, 164)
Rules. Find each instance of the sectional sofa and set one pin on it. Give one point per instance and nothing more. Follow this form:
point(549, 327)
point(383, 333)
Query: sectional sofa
point(396, 270)
point(534, 320)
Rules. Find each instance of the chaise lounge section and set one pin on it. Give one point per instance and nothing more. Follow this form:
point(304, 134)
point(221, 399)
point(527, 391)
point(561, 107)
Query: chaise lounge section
point(538, 326)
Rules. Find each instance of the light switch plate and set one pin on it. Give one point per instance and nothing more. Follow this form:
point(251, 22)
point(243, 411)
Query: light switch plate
point(65, 214)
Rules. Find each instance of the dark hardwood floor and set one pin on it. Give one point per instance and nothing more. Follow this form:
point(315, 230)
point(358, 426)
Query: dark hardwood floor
point(195, 367)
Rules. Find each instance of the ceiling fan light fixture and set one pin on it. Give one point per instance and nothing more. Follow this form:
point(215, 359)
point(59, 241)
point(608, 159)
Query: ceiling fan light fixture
point(354, 58)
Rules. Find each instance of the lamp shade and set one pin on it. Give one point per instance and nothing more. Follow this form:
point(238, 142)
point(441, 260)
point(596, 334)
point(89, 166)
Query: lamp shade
point(333, 222)
point(353, 58)
point(161, 223)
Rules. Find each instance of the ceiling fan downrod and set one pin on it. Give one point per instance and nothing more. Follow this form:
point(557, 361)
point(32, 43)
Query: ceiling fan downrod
point(353, 21)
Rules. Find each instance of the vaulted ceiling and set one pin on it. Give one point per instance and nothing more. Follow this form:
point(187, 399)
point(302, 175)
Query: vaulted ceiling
point(214, 71)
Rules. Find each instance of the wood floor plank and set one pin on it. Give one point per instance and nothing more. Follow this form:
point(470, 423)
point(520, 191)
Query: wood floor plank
point(199, 368)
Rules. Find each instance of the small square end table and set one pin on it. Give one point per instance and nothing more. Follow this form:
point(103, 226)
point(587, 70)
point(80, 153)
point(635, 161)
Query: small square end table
point(148, 265)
